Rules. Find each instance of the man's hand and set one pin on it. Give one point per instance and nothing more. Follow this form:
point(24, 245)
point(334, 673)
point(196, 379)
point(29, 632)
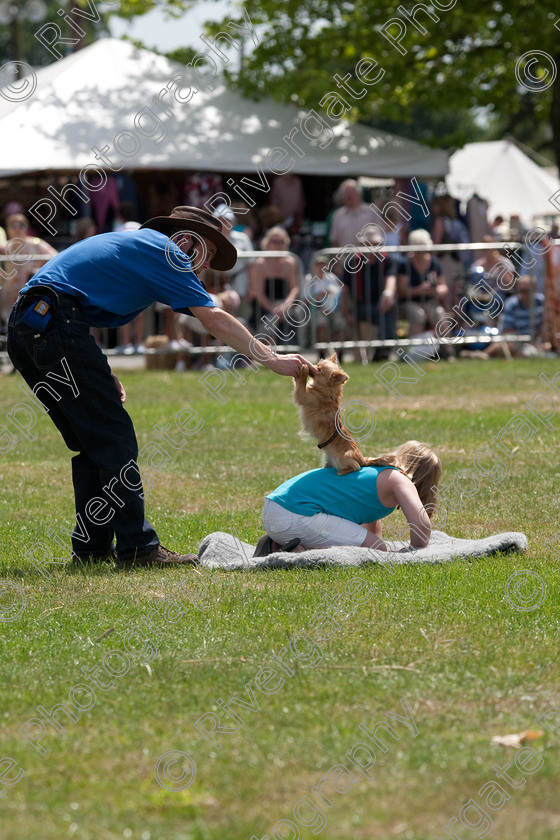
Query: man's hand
point(387, 300)
point(120, 388)
point(425, 289)
point(289, 365)
point(441, 292)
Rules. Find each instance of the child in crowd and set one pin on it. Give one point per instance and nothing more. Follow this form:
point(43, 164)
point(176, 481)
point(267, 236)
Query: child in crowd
point(321, 509)
point(323, 291)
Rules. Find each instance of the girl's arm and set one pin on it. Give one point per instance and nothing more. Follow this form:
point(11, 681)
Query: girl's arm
point(394, 488)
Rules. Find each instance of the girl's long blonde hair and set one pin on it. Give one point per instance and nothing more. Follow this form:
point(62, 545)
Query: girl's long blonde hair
point(419, 463)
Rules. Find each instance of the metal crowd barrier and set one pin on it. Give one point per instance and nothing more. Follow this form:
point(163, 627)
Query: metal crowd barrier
point(306, 335)
point(457, 288)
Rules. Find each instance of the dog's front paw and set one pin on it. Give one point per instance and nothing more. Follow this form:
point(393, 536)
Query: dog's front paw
point(303, 374)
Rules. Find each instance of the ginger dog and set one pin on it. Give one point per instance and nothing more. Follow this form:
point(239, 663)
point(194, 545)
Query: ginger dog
point(319, 407)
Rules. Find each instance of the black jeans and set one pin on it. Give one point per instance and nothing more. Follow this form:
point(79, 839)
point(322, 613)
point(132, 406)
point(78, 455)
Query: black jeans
point(71, 377)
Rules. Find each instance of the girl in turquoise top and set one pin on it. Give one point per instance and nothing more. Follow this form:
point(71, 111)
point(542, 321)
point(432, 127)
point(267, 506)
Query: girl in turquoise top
point(320, 509)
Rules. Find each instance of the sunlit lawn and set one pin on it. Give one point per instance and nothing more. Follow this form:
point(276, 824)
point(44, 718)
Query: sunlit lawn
point(442, 642)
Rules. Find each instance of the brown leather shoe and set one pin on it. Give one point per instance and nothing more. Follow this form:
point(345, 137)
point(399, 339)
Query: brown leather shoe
point(161, 556)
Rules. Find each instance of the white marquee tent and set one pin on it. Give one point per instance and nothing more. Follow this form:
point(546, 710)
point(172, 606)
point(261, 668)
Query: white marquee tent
point(506, 177)
point(93, 97)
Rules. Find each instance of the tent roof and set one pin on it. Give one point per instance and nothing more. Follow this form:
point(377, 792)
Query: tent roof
point(87, 98)
point(502, 174)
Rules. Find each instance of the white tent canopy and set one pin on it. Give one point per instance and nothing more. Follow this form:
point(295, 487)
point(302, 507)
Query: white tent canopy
point(93, 98)
point(503, 175)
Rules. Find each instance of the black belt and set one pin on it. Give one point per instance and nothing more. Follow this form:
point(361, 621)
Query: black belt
point(40, 290)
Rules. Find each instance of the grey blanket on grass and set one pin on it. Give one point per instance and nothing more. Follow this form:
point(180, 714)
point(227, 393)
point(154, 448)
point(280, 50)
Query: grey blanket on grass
point(224, 551)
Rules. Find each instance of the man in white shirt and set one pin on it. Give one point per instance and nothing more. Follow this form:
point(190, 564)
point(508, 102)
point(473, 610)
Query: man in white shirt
point(350, 219)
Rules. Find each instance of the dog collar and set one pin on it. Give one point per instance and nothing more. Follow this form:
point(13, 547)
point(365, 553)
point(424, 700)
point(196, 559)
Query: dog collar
point(326, 443)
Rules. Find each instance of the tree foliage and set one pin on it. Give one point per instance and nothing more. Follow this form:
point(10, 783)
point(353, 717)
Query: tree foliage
point(473, 56)
point(31, 50)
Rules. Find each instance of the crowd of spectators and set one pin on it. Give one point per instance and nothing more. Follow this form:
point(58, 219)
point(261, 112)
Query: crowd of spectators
point(370, 286)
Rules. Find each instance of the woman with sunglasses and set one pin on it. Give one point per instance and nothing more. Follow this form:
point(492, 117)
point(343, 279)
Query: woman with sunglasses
point(29, 254)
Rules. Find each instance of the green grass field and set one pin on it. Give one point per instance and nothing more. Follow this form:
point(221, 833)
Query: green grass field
point(439, 654)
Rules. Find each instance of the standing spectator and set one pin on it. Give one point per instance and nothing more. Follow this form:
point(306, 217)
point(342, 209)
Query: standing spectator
point(246, 221)
point(23, 248)
point(199, 187)
point(448, 229)
point(477, 218)
point(421, 285)
point(287, 194)
point(273, 285)
point(499, 229)
point(418, 217)
point(370, 295)
point(104, 202)
point(351, 218)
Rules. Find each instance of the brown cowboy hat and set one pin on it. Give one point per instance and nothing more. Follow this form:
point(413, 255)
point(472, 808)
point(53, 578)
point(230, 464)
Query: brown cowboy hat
point(202, 222)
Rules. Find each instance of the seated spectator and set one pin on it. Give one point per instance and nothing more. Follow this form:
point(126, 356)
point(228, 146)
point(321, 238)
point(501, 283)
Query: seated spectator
point(23, 248)
point(489, 277)
point(370, 295)
point(190, 330)
point(273, 285)
point(523, 314)
point(422, 289)
point(495, 266)
point(324, 293)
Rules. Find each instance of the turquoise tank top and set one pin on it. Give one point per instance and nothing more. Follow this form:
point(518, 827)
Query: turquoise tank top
point(352, 496)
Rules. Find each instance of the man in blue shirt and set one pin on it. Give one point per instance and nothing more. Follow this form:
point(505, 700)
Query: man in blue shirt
point(105, 281)
point(523, 314)
point(524, 311)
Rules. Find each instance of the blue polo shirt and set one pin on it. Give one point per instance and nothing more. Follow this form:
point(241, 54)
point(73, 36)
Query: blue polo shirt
point(352, 496)
point(516, 317)
point(115, 276)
